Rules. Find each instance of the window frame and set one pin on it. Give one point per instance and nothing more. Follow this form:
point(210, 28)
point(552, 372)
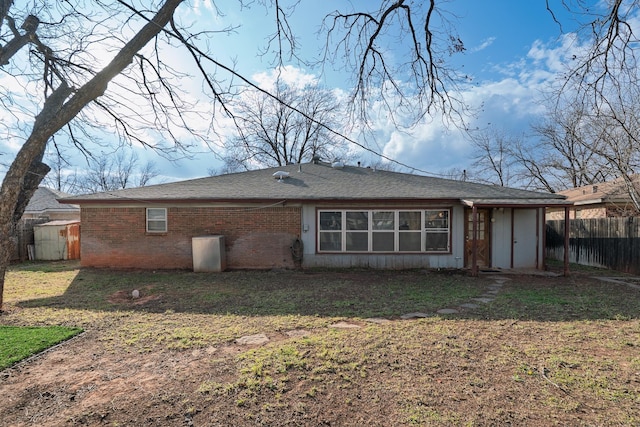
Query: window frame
point(149, 220)
point(340, 240)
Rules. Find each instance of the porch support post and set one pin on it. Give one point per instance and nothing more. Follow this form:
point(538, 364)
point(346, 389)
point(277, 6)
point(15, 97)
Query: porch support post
point(567, 229)
point(538, 238)
point(474, 242)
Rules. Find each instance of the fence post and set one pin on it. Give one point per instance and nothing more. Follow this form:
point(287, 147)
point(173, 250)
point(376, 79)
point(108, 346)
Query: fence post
point(566, 241)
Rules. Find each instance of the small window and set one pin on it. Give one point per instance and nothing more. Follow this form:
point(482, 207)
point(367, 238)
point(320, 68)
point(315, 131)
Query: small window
point(436, 230)
point(156, 220)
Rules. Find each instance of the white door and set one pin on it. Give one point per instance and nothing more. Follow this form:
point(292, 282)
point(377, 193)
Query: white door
point(525, 240)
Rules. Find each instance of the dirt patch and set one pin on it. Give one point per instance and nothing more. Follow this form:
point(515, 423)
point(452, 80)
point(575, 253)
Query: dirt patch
point(134, 297)
point(449, 378)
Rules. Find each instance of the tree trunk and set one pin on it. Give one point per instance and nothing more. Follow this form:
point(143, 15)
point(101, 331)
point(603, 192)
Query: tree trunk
point(26, 170)
point(6, 249)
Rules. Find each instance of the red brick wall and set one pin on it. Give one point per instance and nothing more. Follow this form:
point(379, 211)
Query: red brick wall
point(254, 237)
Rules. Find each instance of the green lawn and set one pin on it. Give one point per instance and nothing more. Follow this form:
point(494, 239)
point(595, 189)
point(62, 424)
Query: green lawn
point(20, 342)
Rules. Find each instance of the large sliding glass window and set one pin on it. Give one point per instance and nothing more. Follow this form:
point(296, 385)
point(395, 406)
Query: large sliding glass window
point(384, 230)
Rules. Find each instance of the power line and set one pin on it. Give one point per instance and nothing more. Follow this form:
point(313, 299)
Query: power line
point(234, 73)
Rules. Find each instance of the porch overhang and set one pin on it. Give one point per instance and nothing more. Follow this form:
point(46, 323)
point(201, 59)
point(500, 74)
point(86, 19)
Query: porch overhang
point(517, 203)
point(474, 204)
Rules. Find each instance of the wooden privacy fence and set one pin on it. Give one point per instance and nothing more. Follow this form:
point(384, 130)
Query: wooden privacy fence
point(601, 242)
point(23, 238)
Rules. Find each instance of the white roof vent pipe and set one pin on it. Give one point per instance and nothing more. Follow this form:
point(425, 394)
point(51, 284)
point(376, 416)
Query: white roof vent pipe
point(280, 175)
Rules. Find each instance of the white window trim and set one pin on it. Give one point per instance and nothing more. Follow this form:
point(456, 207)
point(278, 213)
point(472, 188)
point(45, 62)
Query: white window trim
point(164, 220)
point(424, 231)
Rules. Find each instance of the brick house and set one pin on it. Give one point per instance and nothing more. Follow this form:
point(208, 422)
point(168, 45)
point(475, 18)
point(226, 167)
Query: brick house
point(44, 205)
point(602, 200)
point(318, 215)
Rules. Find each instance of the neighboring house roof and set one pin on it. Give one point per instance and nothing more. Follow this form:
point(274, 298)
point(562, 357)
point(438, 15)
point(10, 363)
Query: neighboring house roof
point(322, 182)
point(604, 192)
point(46, 200)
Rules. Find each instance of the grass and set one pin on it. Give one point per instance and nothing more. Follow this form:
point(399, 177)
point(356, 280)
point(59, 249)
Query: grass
point(547, 350)
point(19, 343)
point(249, 293)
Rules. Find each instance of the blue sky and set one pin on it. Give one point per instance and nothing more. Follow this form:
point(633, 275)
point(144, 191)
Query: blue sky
point(513, 51)
point(513, 48)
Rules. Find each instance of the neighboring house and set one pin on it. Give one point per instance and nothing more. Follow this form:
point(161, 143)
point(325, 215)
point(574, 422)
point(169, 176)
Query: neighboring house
point(318, 215)
point(602, 200)
point(43, 207)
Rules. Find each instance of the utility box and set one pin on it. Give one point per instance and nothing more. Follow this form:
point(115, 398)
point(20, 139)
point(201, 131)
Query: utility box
point(209, 254)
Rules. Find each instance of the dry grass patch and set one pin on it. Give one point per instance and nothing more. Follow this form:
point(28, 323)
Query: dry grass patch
point(547, 351)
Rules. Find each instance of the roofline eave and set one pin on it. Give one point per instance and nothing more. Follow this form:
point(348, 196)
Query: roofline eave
point(516, 204)
point(327, 200)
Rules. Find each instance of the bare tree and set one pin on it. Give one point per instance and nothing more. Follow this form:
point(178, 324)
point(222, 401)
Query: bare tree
point(108, 173)
point(569, 150)
point(274, 134)
point(60, 177)
point(616, 128)
point(603, 82)
point(367, 43)
point(564, 151)
point(67, 86)
point(492, 161)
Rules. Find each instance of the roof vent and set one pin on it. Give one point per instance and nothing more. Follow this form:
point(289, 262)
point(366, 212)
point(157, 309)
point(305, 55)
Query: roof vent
point(280, 175)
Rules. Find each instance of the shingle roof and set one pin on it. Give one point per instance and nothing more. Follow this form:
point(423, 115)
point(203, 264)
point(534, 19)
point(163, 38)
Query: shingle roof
point(610, 191)
point(45, 199)
point(320, 182)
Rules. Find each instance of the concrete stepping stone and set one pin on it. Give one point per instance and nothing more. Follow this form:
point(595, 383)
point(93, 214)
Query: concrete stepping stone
point(499, 279)
point(257, 339)
point(377, 320)
point(416, 315)
point(484, 300)
point(469, 305)
point(448, 311)
point(297, 333)
point(344, 325)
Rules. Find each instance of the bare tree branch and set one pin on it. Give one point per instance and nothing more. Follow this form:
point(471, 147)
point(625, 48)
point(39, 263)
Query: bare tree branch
point(60, 107)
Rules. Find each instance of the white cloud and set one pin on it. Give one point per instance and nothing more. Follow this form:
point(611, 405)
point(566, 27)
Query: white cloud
point(293, 76)
point(485, 44)
point(198, 5)
point(510, 103)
